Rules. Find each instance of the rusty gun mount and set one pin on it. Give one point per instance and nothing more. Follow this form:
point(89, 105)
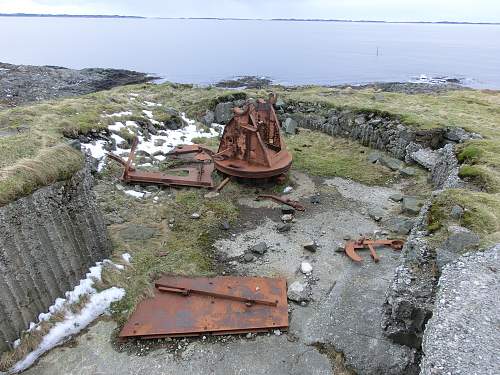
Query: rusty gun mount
point(252, 145)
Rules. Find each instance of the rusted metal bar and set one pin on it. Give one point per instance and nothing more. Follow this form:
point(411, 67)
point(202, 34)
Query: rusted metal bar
point(187, 292)
point(351, 247)
point(222, 184)
point(284, 200)
point(184, 306)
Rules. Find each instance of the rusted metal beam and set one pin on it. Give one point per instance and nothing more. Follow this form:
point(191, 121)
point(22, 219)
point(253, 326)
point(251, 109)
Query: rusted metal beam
point(284, 200)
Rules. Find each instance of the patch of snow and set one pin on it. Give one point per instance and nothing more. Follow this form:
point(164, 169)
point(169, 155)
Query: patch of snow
point(151, 104)
point(96, 150)
point(4, 69)
point(132, 124)
point(135, 194)
point(119, 114)
point(116, 127)
point(98, 304)
point(160, 157)
point(149, 114)
point(126, 257)
point(133, 94)
point(117, 138)
point(186, 120)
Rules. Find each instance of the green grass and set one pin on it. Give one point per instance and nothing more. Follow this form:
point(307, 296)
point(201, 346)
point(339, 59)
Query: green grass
point(51, 165)
point(185, 249)
point(322, 155)
point(481, 213)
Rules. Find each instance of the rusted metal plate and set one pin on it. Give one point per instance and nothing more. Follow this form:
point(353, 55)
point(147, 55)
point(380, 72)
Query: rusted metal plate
point(203, 306)
point(252, 145)
point(351, 247)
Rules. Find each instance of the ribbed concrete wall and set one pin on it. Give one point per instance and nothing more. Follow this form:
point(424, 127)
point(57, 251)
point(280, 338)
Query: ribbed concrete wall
point(48, 241)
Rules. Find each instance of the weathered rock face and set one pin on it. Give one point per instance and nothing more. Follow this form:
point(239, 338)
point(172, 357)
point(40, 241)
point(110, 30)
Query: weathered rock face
point(48, 241)
point(463, 337)
point(410, 296)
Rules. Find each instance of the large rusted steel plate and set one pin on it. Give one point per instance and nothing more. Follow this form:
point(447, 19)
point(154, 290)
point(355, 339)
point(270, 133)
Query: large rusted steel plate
point(170, 314)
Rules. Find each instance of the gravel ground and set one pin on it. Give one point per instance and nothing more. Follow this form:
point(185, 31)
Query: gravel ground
point(463, 336)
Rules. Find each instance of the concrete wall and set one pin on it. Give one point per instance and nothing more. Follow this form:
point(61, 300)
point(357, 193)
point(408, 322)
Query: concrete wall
point(48, 241)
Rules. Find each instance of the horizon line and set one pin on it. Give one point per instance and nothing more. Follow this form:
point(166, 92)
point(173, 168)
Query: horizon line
point(20, 14)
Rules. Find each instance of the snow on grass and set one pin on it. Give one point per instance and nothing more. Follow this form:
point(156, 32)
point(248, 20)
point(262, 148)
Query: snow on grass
point(73, 323)
point(171, 138)
point(151, 104)
point(97, 305)
point(135, 194)
point(126, 257)
point(149, 114)
point(118, 114)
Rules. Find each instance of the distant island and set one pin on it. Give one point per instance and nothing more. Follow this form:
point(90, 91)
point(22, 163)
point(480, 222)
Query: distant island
point(245, 19)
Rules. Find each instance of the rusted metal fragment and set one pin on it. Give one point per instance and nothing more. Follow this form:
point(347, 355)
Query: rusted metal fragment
point(351, 247)
point(284, 200)
point(197, 171)
point(203, 306)
point(252, 145)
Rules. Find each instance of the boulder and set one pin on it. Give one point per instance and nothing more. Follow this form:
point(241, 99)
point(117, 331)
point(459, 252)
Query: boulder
point(259, 248)
point(459, 240)
point(224, 112)
point(399, 224)
point(376, 213)
point(396, 197)
point(408, 172)
point(391, 163)
point(456, 212)
point(425, 157)
point(311, 246)
point(208, 118)
point(411, 205)
point(290, 126)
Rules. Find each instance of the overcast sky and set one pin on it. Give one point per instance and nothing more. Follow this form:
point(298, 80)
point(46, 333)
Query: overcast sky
point(390, 10)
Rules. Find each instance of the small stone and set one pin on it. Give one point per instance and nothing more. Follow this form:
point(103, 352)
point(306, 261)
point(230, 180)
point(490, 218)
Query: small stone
point(311, 246)
point(290, 126)
point(260, 248)
point(315, 199)
point(287, 210)
point(298, 291)
point(248, 257)
point(391, 163)
point(376, 213)
point(277, 332)
point(284, 227)
point(411, 205)
point(224, 225)
point(159, 142)
point(249, 335)
point(196, 215)
point(373, 157)
point(340, 248)
point(456, 212)
point(287, 218)
point(397, 197)
point(171, 221)
point(305, 268)
point(347, 238)
point(287, 190)
point(211, 195)
point(408, 172)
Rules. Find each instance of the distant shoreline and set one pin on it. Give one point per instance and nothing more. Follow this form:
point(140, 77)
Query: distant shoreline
point(246, 19)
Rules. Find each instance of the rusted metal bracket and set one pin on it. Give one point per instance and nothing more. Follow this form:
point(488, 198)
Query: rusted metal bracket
point(221, 305)
point(198, 170)
point(284, 200)
point(351, 247)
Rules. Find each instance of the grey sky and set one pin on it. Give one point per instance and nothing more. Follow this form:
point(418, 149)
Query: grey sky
point(392, 10)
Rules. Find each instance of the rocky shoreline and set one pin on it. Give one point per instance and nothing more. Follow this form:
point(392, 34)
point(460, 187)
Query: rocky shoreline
point(21, 84)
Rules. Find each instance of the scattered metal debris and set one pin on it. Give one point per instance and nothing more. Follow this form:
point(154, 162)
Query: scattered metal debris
point(252, 145)
point(220, 305)
point(284, 200)
point(198, 168)
point(351, 247)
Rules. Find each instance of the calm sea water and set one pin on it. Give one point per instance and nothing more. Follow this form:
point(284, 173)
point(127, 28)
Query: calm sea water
point(205, 51)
